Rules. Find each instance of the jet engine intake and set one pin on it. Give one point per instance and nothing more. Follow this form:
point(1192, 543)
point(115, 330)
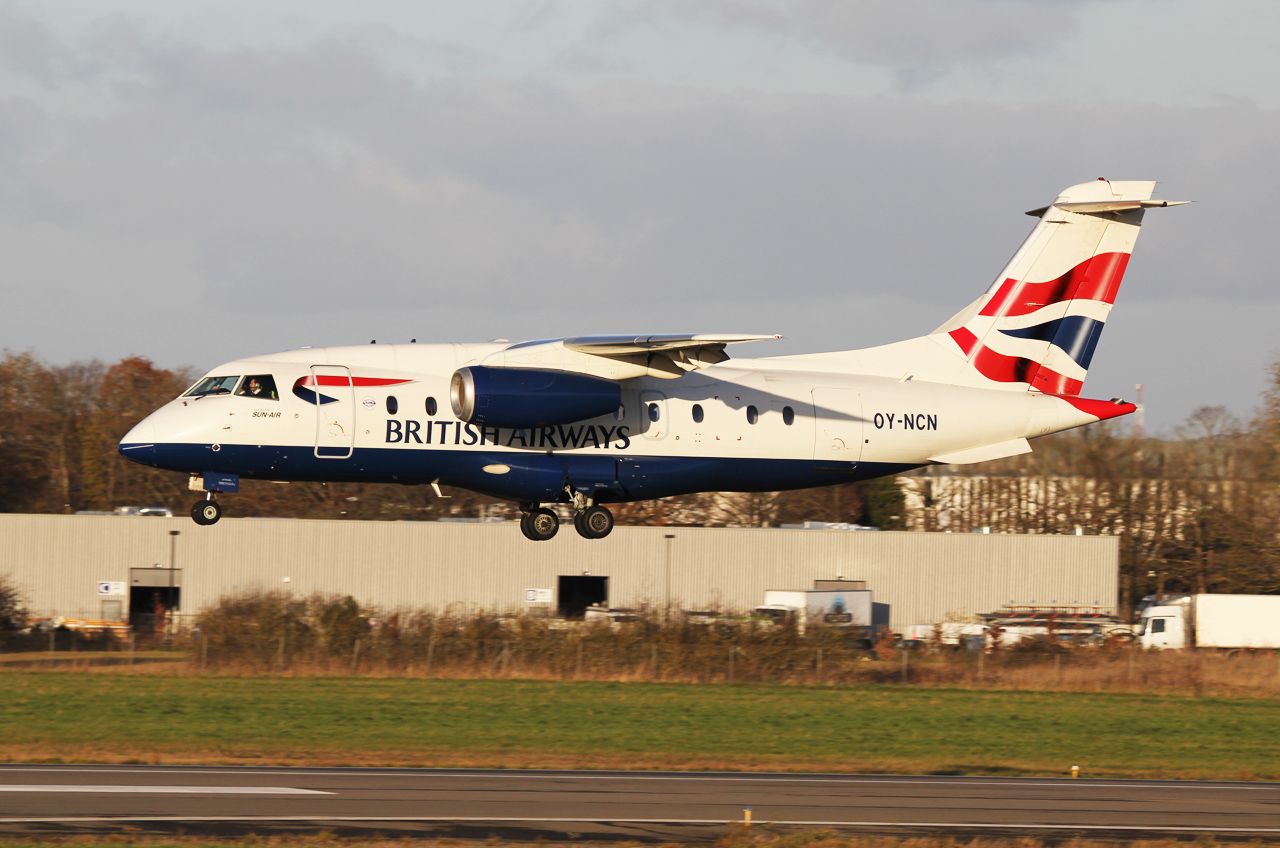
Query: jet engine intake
point(529, 397)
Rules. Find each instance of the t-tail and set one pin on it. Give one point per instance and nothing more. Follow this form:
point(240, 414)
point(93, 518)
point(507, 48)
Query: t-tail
point(1037, 326)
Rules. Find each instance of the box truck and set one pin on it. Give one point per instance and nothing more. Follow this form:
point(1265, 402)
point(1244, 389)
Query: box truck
point(829, 607)
point(1212, 621)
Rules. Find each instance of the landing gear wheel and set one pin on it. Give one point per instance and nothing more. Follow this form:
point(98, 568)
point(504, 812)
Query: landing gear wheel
point(205, 513)
point(540, 525)
point(594, 522)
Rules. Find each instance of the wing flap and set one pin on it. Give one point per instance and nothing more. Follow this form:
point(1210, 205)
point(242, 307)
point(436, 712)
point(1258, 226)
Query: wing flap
point(625, 345)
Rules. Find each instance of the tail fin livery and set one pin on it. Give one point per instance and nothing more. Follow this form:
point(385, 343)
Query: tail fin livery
point(1036, 328)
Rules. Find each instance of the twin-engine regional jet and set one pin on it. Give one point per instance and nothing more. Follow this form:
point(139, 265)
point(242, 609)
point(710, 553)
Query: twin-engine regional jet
point(595, 420)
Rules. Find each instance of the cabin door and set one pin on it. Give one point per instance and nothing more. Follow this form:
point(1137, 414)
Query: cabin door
point(335, 411)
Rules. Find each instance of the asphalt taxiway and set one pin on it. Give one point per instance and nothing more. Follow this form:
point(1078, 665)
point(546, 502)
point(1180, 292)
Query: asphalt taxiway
point(640, 806)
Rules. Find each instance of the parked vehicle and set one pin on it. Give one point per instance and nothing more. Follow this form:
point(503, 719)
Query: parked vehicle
point(807, 607)
point(1212, 621)
point(1079, 624)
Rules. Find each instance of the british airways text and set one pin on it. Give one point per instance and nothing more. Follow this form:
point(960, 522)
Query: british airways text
point(413, 432)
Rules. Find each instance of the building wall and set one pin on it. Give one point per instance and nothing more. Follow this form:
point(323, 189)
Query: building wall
point(58, 562)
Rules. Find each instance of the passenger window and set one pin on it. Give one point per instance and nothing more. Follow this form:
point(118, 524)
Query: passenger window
point(697, 413)
point(431, 406)
point(213, 386)
point(1157, 625)
point(654, 413)
point(393, 405)
point(788, 416)
point(753, 415)
point(259, 387)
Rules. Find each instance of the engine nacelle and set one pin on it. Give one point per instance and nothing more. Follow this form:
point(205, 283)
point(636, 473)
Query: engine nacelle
point(528, 397)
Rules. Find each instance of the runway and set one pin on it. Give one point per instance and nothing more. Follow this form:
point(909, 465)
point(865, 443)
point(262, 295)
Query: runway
point(644, 806)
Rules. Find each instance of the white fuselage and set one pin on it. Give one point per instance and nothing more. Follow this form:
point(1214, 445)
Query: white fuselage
point(806, 427)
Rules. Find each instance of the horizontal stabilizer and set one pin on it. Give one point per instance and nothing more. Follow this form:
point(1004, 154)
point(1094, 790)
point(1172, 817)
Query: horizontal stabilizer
point(1013, 447)
point(1101, 207)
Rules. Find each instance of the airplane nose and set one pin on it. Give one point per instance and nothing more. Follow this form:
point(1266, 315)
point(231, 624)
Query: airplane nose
point(139, 444)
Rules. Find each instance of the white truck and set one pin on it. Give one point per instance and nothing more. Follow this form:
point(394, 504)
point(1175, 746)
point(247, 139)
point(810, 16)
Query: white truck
point(829, 607)
point(1212, 621)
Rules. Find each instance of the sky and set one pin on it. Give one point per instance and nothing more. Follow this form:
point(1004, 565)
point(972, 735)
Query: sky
point(202, 181)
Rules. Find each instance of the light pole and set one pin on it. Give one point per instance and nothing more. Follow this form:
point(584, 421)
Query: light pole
point(170, 605)
point(666, 615)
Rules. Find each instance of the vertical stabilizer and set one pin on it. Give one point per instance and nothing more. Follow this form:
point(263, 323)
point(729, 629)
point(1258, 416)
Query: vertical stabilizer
point(1036, 327)
point(1039, 323)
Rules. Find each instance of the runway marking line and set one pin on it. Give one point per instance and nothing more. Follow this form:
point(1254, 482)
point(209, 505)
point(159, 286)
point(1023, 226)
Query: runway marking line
point(100, 789)
point(524, 820)
point(1031, 783)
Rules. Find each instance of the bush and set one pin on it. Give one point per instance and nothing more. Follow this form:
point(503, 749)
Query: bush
point(13, 615)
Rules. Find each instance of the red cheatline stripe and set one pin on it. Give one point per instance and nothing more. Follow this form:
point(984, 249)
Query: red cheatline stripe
point(335, 380)
point(1096, 278)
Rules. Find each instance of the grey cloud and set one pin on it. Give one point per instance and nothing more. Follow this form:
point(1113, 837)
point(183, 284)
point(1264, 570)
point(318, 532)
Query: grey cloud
point(315, 195)
point(914, 42)
point(28, 50)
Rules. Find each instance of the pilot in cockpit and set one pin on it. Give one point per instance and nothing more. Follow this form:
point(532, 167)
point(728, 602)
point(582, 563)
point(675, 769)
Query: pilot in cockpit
point(262, 388)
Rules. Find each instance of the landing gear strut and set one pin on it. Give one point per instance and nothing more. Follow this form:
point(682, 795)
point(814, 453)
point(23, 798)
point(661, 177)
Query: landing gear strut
point(207, 511)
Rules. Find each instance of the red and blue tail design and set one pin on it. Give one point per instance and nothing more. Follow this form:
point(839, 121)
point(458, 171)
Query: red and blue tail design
point(1035, 322)
point(1038, 326)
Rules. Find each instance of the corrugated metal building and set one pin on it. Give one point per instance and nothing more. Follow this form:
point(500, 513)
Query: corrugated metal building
point(110, 567)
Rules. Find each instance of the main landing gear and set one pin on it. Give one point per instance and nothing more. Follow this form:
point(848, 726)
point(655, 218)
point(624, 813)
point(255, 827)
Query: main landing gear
point(594, 522)
point(539, 523)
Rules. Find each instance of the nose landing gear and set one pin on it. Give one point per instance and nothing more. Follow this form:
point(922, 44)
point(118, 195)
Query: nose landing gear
point(207, 510)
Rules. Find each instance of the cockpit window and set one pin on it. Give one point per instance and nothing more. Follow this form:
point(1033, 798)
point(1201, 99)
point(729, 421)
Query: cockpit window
point(260, 386)
point(213, 386)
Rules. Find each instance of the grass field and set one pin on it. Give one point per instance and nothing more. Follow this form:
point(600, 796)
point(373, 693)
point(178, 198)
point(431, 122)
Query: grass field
point(733, 838)
point(106, 717)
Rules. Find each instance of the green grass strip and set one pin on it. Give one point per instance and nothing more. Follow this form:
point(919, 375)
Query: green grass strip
point(364, 721)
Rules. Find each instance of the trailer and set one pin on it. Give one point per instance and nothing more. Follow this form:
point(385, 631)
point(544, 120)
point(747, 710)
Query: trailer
point(1224, 622)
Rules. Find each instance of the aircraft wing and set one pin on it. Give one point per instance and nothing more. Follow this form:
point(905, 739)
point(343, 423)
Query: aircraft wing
point(667, 355)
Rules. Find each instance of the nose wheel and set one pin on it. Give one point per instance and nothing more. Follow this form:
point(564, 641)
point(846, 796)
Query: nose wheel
point(206, 512)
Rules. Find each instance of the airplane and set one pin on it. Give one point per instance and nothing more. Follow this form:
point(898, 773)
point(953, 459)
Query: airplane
point(594, 420)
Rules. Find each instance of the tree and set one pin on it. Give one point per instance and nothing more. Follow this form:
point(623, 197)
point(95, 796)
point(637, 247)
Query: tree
point(127, 392)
